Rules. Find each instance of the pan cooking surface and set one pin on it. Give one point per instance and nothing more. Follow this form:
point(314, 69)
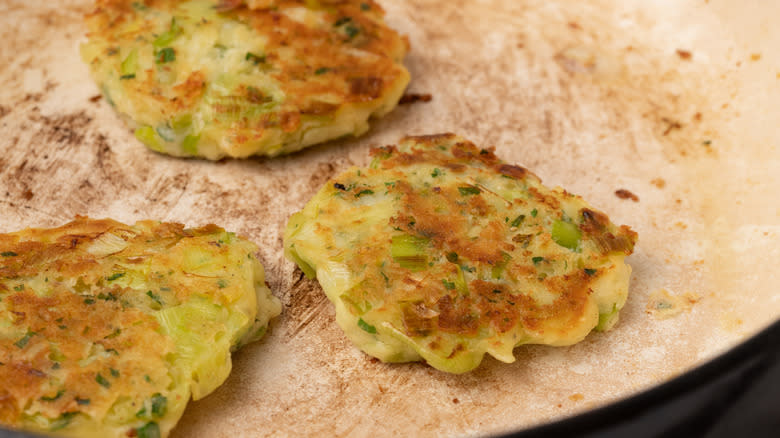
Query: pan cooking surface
point(673, 102)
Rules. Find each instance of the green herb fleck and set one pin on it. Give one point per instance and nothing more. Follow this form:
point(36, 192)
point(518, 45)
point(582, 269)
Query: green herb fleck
point(19, 287)
point(448, 284)
point(102, 381)
point(256, 59)
point(590, 271)
point(53, 397)
point(21, 343)
point(166, 55)
point(62, 421)
point(114, 373)
point(321, 70)
point(364, 192)
point(107, 297)
point(146, 377)
point(89, 300)
point(154, 297)
point(534, 212)
point(82, 401)
point(496, 291)
point(663, 305)
point(469, 190)
point(138, 6)
point(468, 268)
point(351, 30)
point(148, 430)
point(436, 172)
point(115, 276)
point(537, 260)
point(221, 283)
point(130, 76)
point(365, 7)
point(707, 142)
point(452, 257)
point(518, 220)
point(8, 254)
point(342, 20)
point(366, 326)
point(159, 405)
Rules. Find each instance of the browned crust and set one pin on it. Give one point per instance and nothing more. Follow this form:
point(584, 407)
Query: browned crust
point(78, 313)
point(324, 61)
point(444, 216)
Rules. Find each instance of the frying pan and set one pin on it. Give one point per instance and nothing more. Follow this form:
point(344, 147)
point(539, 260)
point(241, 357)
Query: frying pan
point(675, 101)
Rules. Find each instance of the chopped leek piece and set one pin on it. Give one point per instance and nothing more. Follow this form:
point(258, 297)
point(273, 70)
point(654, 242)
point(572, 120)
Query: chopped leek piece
point(190, 144)
point(21, 343)
point(53, 397)
point(113, 277)
point(608, 320)
point(167, 37)
point(165, 55)
point(469, 190)
point(129, 65)
point(181, 122)
point(159, 405)
point(566, 234)
point(147, 136)
point(366, 326)
point(499, 267)
point(62, 421)
point(165, 132)
point(148, 430)
point(460, 283)
point(102, 381)
point(410, 251)
point(256, 59)
point(307, 269)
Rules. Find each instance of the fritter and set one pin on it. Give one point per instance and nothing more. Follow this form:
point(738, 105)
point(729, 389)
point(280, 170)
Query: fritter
point(214, 79)
point(442, 252)
point(108, 329)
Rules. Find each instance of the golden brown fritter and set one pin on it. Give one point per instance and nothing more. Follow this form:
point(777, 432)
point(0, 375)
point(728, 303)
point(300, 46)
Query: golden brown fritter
point(442, 252)
point(107, 329)
point(214, 79)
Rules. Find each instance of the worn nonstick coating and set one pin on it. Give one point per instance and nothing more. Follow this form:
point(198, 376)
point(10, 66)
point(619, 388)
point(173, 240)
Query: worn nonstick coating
point(675, 101)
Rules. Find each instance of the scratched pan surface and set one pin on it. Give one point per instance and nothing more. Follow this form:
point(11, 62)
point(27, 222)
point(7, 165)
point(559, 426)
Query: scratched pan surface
point(675, 101)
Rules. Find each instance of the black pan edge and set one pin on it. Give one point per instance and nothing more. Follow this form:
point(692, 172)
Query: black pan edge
point(736, 394)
